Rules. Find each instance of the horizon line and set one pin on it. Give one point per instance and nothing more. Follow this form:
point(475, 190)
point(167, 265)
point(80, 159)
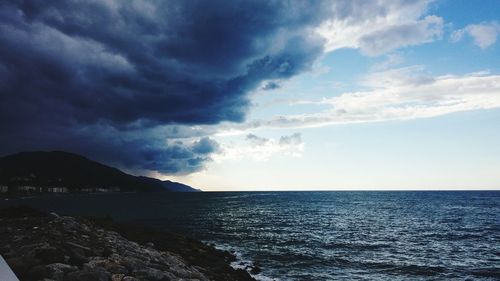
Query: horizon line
point(340, 189)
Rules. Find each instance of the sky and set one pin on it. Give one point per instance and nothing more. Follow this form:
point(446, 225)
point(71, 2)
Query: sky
point(259, 95)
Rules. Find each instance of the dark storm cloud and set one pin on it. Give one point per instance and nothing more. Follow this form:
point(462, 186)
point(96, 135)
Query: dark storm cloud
point(70, 68)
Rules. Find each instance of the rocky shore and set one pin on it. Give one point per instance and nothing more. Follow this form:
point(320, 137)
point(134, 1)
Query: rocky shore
point(41, 246)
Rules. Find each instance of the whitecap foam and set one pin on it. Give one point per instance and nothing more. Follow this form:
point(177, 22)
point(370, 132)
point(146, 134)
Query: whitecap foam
point(241, 262)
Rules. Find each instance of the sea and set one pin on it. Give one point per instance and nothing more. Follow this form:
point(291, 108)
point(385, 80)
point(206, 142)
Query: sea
point(337, 235)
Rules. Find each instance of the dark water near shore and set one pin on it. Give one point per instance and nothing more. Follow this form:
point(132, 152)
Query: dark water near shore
point(324, 235)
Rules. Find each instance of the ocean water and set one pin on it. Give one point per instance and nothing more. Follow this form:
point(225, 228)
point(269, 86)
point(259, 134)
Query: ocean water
point(323, 235)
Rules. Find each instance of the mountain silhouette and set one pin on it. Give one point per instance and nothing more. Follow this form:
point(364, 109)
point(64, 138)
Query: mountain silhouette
point(75, 173)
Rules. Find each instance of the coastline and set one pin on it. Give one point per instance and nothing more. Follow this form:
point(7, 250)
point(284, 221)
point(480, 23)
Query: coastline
point(39, 245)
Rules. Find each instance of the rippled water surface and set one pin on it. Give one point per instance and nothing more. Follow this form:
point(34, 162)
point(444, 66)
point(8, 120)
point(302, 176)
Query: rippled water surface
point(325, 235)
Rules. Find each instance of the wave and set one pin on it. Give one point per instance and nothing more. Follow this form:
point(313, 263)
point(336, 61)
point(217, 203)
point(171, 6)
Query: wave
point(356, 246)
point(242, 262)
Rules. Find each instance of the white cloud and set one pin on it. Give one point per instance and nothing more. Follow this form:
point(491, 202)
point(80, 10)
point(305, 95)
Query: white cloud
point(484, 34)
point(378, 27)
point(396, 94)
point(390, 60)
point(416, 96)
point(261, 148)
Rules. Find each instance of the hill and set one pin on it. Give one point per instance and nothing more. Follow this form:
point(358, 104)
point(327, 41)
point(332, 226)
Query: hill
point(59, 171)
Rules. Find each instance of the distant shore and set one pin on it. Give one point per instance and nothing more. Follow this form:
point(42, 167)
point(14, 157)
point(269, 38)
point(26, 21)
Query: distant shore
point(38, 245)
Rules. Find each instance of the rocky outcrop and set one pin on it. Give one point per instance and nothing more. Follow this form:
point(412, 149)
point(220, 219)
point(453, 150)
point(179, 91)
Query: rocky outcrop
point(40, 246)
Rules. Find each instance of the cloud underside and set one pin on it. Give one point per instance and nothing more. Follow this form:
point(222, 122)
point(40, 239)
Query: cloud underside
point(261, 148)
point(118, 80)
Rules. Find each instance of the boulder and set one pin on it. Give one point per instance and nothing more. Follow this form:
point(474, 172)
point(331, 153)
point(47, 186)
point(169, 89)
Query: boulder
point(49, 255)
point(117, 277)
point(129, 278)
point(38, 272)
point(96, 274)
point(154, 274)
point(77, 256)
point(56, 271)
